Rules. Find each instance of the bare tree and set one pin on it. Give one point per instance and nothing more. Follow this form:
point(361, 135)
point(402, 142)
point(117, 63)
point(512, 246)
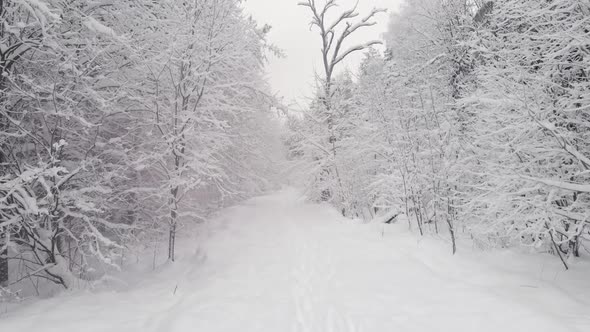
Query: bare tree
point(334, 34)
point(333, 37)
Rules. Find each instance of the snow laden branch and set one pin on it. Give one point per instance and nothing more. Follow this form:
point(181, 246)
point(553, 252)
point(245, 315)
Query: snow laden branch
point(575, 187)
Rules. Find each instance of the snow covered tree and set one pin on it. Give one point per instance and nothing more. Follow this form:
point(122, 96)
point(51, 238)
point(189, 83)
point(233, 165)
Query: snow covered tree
point(530, 130)
point(331, 105)
point(203, 85)
point(118, 118)
point(60, 88)
point(488, 101)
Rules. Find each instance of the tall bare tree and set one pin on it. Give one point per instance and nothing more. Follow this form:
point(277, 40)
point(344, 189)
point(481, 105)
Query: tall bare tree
point(335, 31)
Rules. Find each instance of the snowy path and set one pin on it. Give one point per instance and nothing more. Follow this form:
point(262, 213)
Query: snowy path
point(276, 264)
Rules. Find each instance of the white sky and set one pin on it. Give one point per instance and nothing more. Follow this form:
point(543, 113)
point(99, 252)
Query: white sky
point(293, 77)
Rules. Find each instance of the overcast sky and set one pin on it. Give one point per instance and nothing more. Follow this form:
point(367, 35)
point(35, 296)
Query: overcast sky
point(293, 77)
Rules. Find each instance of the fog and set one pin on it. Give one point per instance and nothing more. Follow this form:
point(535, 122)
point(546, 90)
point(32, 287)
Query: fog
point(293, 77)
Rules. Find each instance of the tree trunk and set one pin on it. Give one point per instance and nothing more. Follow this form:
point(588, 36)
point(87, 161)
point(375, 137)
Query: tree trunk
point(3, 262)
point(3, 241)
point(173, 223)
point(451, 228)
point(406, 202)
point(417, 215)
point(171, 241)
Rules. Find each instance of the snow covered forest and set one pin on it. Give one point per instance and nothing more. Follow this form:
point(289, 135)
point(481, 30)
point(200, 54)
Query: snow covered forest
point(130, 129)
point(120, 121)
point(475, 121)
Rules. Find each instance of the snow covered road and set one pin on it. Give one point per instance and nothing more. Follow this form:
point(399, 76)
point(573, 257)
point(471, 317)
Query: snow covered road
point(277, 264)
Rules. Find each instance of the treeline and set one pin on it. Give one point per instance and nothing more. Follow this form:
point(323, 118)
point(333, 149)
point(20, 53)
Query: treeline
point(119, 122)
point(476, 121)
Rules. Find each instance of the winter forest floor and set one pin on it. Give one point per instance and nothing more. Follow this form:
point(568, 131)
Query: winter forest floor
point(278, 264)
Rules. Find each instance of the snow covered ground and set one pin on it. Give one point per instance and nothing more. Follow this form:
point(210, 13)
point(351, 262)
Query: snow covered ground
point(278, 264)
